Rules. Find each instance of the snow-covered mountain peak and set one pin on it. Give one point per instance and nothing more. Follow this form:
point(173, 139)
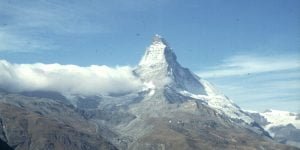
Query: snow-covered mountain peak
point(158, 54)
point(178, 84)
point(159, 65)
point(158, 39)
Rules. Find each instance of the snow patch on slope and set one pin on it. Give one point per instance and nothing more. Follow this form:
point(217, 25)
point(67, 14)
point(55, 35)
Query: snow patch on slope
point(219, 102)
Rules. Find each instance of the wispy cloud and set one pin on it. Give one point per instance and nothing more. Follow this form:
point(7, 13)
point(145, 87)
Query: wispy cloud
point(54, 16)
point(249, 64)
point(40, 22)
point(18, 43)
point(259, 82)
point(33, 25)
point(250, 94)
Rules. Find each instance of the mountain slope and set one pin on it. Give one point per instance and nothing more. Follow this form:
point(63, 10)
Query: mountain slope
point(42, 123)
point(160, 68)
point(178, 110)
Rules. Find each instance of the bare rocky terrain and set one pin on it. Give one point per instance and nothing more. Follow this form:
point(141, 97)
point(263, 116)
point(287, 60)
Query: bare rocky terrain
point(41, 123)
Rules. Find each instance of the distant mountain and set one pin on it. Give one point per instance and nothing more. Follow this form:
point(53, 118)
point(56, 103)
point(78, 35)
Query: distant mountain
point(283, 126)
point(175, 110)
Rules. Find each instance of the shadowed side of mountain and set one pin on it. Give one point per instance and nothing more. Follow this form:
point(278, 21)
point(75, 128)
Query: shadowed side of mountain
point(46, 94)
point(4, 146)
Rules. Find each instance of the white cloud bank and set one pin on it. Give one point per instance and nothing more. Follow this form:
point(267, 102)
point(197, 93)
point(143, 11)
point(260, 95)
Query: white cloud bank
point(67, 79)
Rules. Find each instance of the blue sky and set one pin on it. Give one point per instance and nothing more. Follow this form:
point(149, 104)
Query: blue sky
point(249, 49)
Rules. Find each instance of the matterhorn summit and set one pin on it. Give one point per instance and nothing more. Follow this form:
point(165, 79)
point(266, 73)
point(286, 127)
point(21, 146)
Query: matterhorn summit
point(160, 66)
point(158, 53)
